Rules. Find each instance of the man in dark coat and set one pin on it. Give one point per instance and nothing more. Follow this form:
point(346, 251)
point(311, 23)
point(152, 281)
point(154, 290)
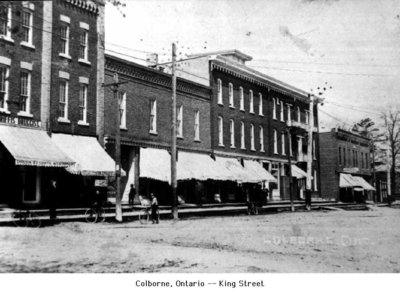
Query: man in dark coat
point(132, 193)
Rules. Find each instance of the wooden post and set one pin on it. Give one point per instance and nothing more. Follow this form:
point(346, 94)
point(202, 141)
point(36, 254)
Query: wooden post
point(309, 153)
point(118, 206)
point(173, 136)
point(290, 169)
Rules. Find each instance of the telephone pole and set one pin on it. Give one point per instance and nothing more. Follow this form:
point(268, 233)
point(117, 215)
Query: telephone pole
point(115, 87)
point(174, 183)
point(309, 152)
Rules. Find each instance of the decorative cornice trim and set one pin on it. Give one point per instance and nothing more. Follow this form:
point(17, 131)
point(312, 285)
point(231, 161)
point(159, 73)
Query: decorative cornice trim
point(85, 5)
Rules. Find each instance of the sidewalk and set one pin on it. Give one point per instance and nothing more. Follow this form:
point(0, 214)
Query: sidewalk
point(132, 214)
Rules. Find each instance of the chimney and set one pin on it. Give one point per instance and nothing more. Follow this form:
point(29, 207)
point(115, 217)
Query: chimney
point(152, 59)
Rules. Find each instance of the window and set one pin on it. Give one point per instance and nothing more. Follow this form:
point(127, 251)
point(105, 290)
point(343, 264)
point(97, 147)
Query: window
point(283, 142)
point(25, 92)
point(83, 45)
point(344, 157)
point(83, 103)
point(242, 141)
point(27, 27)
point(340, 155)
point(274, 108)
point(231, 104)
point(63, 101)
point(179, 122)
point(251, 101)
point(298, 115)
point(289, 113)
point(197, 125)
point(64, 38)
point(275, 142)
point(122, 109)
point(307, 117)
point(219, 84)
point(282, 112)
point(315, 180)
point(220, 131)
point(260, 104)
point(153, 116)
point(4, 71)
point(313, 150)
point(241, 95)
point(252, 144)
point(232, 132)
point(261, 139)
point(290, 144)
point(5, 21)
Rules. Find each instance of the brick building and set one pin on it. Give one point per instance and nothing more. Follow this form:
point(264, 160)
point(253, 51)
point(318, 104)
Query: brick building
point(51, 63)
point(250, 114)
point(345, 166)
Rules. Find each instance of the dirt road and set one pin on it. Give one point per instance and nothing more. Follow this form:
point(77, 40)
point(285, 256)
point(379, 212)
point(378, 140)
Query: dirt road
point(335, 241)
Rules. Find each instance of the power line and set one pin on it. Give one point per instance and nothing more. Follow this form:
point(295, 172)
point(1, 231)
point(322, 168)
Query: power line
point(326, 73)
point(335, 118)
point(352, 107)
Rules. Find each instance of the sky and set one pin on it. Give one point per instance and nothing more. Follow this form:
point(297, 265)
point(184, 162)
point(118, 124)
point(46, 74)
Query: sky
point(352, 46)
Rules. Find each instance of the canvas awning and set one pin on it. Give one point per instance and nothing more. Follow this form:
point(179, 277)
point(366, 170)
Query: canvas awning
point(258, 172)
point(155, 164)
point(91, 159)
point(33, 147)
point(298, 173)
point(348, 181)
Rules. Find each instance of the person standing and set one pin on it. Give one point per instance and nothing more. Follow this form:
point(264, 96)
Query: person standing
point(154, 208)
point(132, 193)
point(52, 199)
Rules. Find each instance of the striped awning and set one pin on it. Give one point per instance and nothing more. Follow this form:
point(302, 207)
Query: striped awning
point(33, 147)
point(349, 181)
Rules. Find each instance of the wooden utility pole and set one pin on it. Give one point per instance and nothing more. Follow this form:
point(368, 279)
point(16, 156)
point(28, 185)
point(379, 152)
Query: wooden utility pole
point(174, 183)
point(309, 153)
point(115, 87)
point(290, 167)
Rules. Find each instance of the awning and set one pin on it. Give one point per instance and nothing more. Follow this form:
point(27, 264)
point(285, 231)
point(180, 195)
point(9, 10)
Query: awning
point(91, 159)
point(348, 181)
point(32, 147)
point(298, 173)
point(258, 172)
point(363, 183)
point(232, 170)
point(155, 164)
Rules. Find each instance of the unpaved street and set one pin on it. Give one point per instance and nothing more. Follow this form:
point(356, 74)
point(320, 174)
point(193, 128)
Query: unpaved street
point(335, 241)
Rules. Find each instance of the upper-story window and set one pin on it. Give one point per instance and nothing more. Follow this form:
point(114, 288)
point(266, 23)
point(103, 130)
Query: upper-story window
point(282, 111)
point(307, 117)
point(64, 35)
point(283, 141)
point(25, 97)
point(153, 116)
point(27, 25)
point(289, 113)
point(231, 104)
point(241, 95)
point(274, 108)
point(232, 132)
point(298, 114)
point(275, 142)
point(242, 136)
point(252, 141)
point(122, 109)
point(260, 104)
point(179, 121)
point(84, 42)
point(261, 138)
point(4, 72)
point(251, 101)
point(83, 88)
point(220, 131)
point(5, 22)
point(197, 125)
point(314, 150)
point(340, 155)
point(219, 93)
point(63, 100)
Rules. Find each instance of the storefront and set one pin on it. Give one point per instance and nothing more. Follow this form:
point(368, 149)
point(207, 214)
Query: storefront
point(354, 188)
point(91, 172)
point(28, 160)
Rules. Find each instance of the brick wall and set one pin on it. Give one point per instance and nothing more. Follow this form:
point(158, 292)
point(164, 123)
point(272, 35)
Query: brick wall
point(18, 53)
point(139, 93)
point(75, 68)
point(328, 163)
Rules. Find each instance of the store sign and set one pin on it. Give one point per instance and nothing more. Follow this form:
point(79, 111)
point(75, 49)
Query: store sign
point(100, 183)
point(14, 120)
point(351, 170)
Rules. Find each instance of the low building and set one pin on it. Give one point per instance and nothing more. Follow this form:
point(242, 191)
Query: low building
point(345, 159)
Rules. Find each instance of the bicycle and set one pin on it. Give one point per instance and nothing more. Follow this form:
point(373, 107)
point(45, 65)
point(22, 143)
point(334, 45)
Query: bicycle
point(145, 212)
point(95, 214)
point(26, 218)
